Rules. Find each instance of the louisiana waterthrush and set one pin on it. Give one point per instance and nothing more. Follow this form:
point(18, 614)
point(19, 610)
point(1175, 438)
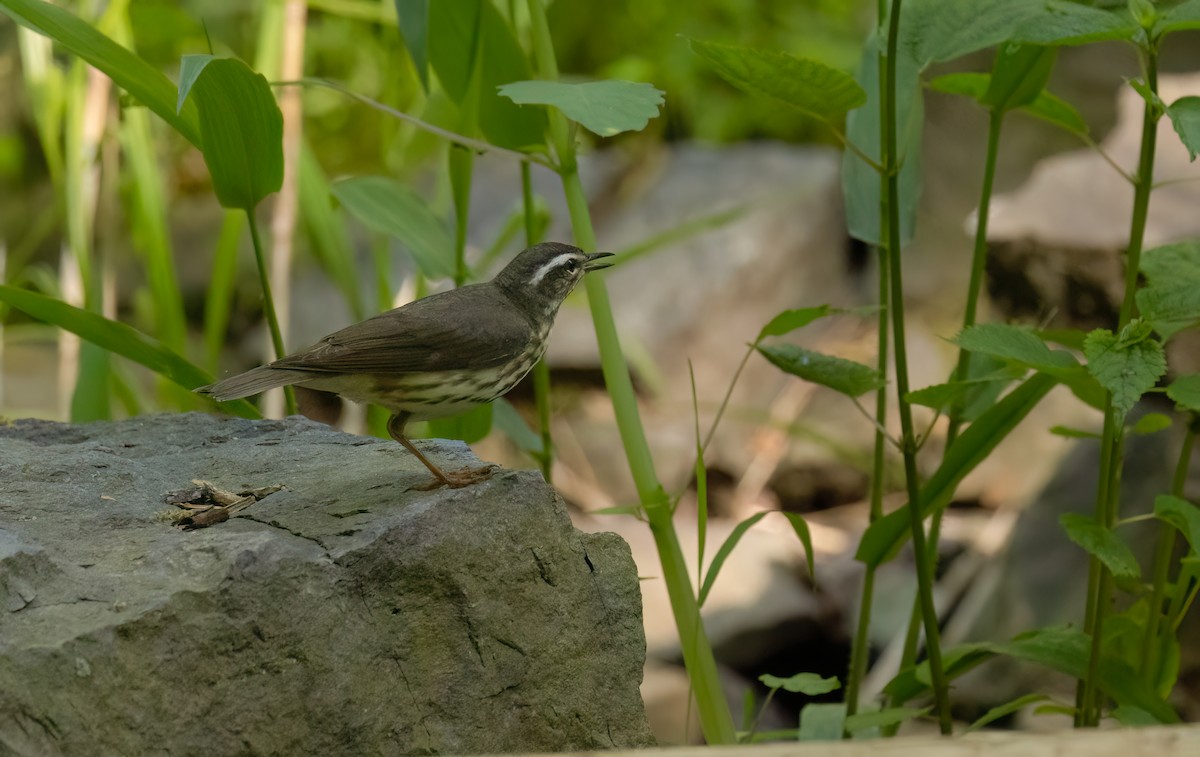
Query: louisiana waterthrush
point(439, 355)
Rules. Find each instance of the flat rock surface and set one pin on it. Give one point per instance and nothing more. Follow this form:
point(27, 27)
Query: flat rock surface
point(344, 614)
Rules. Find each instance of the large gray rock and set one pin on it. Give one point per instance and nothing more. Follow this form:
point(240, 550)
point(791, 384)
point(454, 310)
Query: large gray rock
point(342, 615)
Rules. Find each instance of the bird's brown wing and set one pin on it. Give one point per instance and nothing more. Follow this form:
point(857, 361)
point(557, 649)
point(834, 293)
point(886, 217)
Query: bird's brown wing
point(460, 329)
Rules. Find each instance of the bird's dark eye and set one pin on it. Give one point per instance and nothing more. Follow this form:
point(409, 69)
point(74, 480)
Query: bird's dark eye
point(571, 266)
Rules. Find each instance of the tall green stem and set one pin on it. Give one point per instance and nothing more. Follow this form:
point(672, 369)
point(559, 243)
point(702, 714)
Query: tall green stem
point(715, 718)
point(541, 371)
point(1107, 501)
point(264, 281)
point(908, 439)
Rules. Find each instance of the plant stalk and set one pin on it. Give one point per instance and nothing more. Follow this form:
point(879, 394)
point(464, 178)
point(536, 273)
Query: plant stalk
point(264, 281)
point(541, 371)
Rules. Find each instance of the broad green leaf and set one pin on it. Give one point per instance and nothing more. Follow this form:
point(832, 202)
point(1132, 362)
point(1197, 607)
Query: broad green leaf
point(884, 537)
point(1013, 343)
point(1151, 423)
point(845, 376)
point(1185, 390)
point(413, 19)
point(1182, 515)
point(1143, 12)
point(802, 683)
point(822, 722)
point(942, 30)
point(470, 426)
point(790, 320)
point(457, 31)
point(1073, 433)
point(241, 128)
point(141, 80)
point(1185, 117)
point(1018, 76)
point(1125, 365)
point(860, 180)
point(118, 338)
point(803, 83)
point(1172, 263)
point(506, 418)
point(1055, 110)
point(723, 553)
point(1133, 717)
point(948, 396)
point(1006, 709)
point(964, 83)
point(957, 660)
point(1186, 15)
point(1066, 23)
point(861, 721)
point(1171, 308)
point(389, 207)
point(605, 108)
point(1102, 543)
point(800, 526)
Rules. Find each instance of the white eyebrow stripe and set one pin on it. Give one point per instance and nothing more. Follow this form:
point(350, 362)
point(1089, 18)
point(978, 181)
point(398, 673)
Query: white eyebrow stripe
point(546, 268)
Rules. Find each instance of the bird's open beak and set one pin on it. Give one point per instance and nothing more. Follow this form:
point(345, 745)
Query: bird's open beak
point(593, 263)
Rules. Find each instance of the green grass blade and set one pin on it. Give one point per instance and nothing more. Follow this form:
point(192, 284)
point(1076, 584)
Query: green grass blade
point(118, 338)
point(221, 282)
point(725, 550)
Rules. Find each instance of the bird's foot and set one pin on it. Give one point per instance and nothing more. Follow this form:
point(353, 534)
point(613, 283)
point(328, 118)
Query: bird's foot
point(459, 478)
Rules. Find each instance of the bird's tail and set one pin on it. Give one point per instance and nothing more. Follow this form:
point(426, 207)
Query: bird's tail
point(253, 381)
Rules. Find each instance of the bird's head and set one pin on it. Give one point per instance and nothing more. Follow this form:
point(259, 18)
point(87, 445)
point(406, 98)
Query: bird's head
point(541, 277)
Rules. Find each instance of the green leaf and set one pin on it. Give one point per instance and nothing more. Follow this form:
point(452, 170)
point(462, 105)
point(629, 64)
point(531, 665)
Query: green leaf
point(469, 427)
point(861, 721)
point(1055, 110)
point(1133, 717)
point(241, 128)
point(884, 537)
point(1125, 365)
point(965, 83)
point(802, 683)
point(942, 30)
point(1073, 433)
point(845, 376)
point(1151, 423)
point(860, 180)
point(1143, 12)
point(1172, 263)
point(800, 526)
point(803, 83)
point(1103, 544)
point(118, 338)
point(790, 320)
point(141, 80)
point(325, 226)
point(1182, 515)
point(1185, 117)
point(820, 721)
point(1066, 23)
point(413, 19)
point(1006, 709)
point(389, 207)
point(1186, 15)
point(1013, 343)
point(1185, 390)
point(1018, 76)
point(458, 32)
point(723, 553)
point(957, 660)
point(1170, 308)
point(507, 419)
point(952, 396)
point(605, 108)
point(1149, 95)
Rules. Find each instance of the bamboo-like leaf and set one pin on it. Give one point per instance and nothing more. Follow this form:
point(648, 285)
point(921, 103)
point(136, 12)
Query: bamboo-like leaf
point(413, 18)
point(723, 553)
point(506, 418)
point(790, 320)
point(605, 108)
point(118, 338)
point(241, 128)
point(803, 83)
point(145, 83)
point(1006, 709)
point(391, 208)
point(800, 526)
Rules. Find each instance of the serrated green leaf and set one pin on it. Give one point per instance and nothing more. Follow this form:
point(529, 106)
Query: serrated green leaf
point(1172, 263)
point(1151, 423)
point(1101, 543)
point(884, 537)
point(790, 320)
point(803, 83)
point(605, 108)
point(118, 338)
point(1018, 76)
point(860, 180)
point(141, 80)
point(413, 18)
point(802, 683)
point(241, 128)
point(1013, 343)
point(845, 376)
point(942, 30)
point(391, 208)
point(1185, 117)
point(1185, 390)
point(1064, 23)
point(820, 721)
point(1006, 709)
point(861, 721)
point(1127, 369)
point(1182, 515)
